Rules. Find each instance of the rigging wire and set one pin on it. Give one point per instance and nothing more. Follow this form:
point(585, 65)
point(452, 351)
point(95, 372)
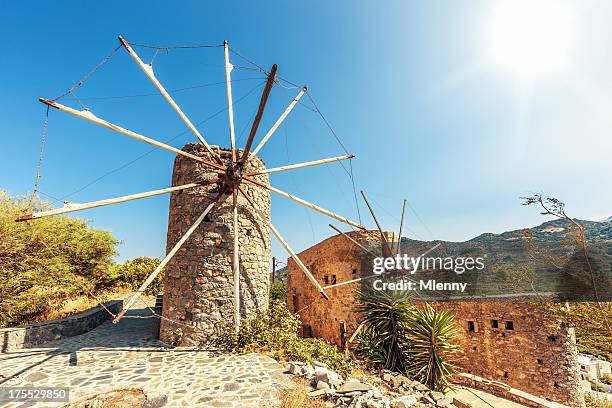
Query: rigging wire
point(86, 77)
point(40, 160)
point(173, 47)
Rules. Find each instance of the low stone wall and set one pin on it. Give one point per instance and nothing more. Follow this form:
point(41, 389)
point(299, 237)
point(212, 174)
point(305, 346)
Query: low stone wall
point(31, 335)
point(505, 391)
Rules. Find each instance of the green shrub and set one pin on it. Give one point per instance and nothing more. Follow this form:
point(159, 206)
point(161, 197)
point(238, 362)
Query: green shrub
point(400, 337)
point(427, 344)
point(46, 261)
point(275, 332)
point(384, 316)
point(278, 291)
point(131, 274)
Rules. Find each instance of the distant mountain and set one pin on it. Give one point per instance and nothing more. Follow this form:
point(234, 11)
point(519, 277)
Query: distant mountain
point(542, 259)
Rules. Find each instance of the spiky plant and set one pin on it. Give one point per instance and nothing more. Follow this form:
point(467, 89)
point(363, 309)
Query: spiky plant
point(384, 317)
point(428, 345)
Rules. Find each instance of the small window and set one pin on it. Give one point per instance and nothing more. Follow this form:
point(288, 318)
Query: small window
point(509, 325)
point(326, 279)
point(556, 384)
point(306, 330)
point(333, 280)
point(474, 348)
point(552, 338)
point(471, 326)
point(354, 273)
point(540, 361)
point(505, 374)
point(495, 324)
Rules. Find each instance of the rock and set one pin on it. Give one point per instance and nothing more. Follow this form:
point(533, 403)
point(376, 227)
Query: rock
point(387, 377)
point(319, 364)
point(294, 368)
point(436, 396)
point(371, 403)
point(353, 384)
point(308, 371)
point(406, 401)
point(317, 393)
point(322, 385)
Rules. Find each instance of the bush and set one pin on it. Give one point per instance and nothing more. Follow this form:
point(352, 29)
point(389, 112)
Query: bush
point(399, 337)
point(275, 332)
point(131, 274)
point(43, 262)
point(278, 291)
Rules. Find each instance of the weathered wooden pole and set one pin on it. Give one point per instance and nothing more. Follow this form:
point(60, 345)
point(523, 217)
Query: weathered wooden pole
point(302, 165)
point(278, 122)
point(260, 110)
point(228, 89)
point(297, 260)
point(71, 207)
point(304, 202)
point(163, 263)
point(87, 115)
point(399, 236)
point(383, 237)
point(148, 70)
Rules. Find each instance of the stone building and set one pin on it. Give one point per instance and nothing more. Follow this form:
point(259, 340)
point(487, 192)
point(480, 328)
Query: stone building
point(199, 282)
point(512, 342)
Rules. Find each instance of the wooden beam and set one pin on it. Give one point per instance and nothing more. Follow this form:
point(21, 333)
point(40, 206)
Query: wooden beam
point(148, 70)
point(87, 115)
point(230, 108)
point(72, 207)
point(301, 165)
point(297, 260)
point(236, 267)
point(277, 123)
point(165, 261)
point(382, 234)
point(354, 241)
point(304, 202)
point(260, 110)
point(399, 239)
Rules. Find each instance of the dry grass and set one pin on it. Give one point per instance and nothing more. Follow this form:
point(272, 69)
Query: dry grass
point(77, 304)
point(297, 396)
point(592, 402)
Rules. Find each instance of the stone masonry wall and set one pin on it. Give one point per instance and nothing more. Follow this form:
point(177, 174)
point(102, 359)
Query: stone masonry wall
point(338, 259)
point(534, 353)
point(199, 282)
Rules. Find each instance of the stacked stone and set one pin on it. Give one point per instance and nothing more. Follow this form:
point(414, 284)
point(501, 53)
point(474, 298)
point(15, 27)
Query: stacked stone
point(199, 281)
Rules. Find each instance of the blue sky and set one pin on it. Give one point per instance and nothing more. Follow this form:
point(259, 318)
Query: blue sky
point(409, 87)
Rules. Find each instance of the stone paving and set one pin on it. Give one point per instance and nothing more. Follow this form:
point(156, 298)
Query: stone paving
point(129, 355)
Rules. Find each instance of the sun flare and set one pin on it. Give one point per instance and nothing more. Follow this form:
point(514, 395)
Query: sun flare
point(531, 38)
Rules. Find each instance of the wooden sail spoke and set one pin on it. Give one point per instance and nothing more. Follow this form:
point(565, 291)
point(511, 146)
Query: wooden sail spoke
point(230, 109)
point(297, 260)
point(399, 235)
point(87, 115)
point(305, 203)
point(260, 110)
point(236, 269)
point(277, 123)
point(148, 70)
point(383, 237)
point(71, 207)
point(164, 262)
point(302, 165)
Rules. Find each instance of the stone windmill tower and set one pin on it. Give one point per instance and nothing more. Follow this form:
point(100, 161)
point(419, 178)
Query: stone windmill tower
point(218, 242)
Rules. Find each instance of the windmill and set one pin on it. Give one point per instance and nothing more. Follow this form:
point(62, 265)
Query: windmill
point(234, 174)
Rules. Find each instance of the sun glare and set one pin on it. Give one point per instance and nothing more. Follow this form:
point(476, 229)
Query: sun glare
point(531, 38)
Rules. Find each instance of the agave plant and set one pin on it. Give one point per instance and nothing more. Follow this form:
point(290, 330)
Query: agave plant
point(384, 317)
point(427, 345)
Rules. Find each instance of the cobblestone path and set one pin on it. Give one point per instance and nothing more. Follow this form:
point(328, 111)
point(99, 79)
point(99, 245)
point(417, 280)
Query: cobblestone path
point(128, 355)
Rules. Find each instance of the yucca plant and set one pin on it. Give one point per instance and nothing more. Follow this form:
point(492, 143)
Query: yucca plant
point(384, 317)
point(428, 345)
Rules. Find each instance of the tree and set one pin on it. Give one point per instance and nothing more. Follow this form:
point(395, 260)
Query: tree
point(46, 261)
